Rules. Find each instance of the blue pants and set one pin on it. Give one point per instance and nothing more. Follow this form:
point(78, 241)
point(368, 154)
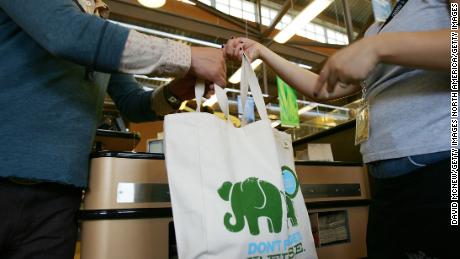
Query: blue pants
point(409, 215)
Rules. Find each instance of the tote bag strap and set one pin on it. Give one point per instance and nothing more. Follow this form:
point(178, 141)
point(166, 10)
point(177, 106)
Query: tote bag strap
point(249, 81)
point(222, 100)
point(199, 92)
point(221, 95)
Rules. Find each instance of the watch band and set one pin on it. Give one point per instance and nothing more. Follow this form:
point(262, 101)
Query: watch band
point(172, 99)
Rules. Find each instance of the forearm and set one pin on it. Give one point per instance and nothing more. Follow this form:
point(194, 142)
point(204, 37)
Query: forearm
point(61, 28)
point(135, 103)
point(144, 54)
point(131, 100)
point(425, 50)
point(301, 79)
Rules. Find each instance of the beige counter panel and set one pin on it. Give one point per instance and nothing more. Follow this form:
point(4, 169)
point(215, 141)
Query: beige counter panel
point(144, 238)
point(107, 172)
point(335, 175)
point(125, 241)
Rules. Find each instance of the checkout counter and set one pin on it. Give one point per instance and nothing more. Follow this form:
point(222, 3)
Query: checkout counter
point(127, 211)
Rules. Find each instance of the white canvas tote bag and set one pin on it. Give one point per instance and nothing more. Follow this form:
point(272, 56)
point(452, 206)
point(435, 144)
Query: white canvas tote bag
point(234, 191)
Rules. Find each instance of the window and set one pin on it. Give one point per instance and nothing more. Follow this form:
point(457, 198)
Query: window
point(335, 37)
point(284, 22)
point(313, 31)
point(206, 2)
point(223, 6)
point(247, 10)
point(238, 8)
point(268, 15)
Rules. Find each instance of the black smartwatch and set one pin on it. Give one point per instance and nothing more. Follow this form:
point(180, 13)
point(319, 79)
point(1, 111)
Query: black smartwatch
point(172, 99)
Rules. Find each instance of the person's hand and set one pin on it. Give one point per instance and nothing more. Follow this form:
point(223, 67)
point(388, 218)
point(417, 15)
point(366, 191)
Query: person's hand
point(184, 88)
point(209, 64)
point(235, 47)
point(350, 65)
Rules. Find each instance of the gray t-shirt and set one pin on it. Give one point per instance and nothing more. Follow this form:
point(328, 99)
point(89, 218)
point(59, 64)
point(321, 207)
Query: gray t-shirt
point(409, 108)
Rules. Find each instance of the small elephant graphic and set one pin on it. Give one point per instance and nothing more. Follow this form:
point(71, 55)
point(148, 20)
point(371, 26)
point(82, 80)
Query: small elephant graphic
point(291, 212)
point(252, 199)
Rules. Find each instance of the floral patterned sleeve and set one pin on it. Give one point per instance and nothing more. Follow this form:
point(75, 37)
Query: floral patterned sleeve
point(144, 54)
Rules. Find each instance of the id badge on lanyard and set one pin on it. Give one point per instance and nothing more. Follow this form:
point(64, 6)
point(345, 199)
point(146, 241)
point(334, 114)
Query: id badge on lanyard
point(362, 119)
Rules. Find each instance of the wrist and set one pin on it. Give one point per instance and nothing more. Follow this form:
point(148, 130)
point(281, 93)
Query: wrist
point(193, 55)
point(379, 47)
point(172, 99)
point(159, 104)
point(263, 52)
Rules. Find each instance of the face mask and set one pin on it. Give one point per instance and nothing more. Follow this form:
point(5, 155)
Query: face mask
point(382, 9)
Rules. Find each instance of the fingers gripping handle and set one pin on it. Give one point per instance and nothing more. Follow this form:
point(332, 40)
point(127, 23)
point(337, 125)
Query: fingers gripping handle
point(248, 81)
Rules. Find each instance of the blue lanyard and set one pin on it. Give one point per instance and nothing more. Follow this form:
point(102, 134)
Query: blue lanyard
point(395, 11)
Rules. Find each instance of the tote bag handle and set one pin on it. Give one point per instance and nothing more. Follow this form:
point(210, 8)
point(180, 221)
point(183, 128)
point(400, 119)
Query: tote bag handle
point(221, 95)
point(249, 81)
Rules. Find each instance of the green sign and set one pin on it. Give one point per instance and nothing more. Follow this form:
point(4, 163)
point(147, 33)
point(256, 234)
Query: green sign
point(289, 110)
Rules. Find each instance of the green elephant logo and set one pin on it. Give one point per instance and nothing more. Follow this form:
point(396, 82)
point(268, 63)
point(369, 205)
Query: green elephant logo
point(254, 198)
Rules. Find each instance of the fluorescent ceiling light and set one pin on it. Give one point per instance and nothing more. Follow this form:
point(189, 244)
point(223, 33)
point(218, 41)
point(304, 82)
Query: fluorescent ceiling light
point(186, 2)
point(304, 66)
point(152, 3)
point(236, 77)
point(307, 15)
